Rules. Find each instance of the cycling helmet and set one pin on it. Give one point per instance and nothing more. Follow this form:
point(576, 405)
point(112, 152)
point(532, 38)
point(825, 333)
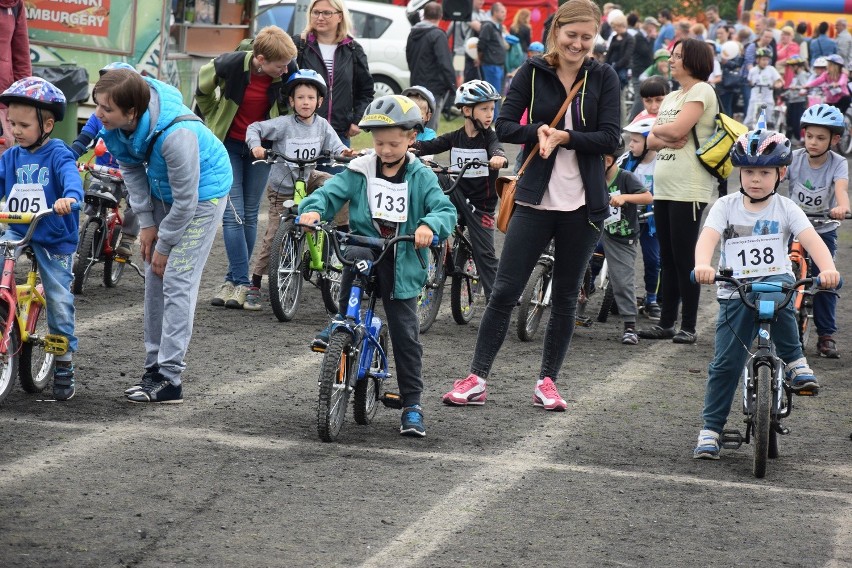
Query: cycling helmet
point(834, 58)
point(661, 54)
point(36, 92)
point(619, 150)
point(762, 148)
point(641, 126)
point(536, 47)
point(423, 93)
point(392, 110)
point(820, 62)
point(116, 65)
point(795, 60)
point(823, 115)
point(305, 77)
point(476, 91)
point(762, 52)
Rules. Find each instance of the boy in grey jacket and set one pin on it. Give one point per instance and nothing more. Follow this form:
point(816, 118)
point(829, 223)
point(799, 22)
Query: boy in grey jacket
point(301, 134)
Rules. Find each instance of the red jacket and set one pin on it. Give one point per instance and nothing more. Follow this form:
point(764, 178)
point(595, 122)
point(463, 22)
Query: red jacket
point(14, 43)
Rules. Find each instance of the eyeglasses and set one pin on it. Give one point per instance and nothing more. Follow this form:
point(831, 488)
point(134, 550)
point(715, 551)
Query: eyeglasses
point(325, 13)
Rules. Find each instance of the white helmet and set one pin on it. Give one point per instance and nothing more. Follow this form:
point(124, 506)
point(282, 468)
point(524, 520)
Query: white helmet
point(641, 126)
point(820, 62)
point(730, 50)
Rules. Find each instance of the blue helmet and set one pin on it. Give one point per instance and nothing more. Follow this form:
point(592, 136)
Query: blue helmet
point(475, 92)
point(762, 148)
point(536, 46)
point(117, 65)
point(38, 93)
point(823, 115)
point(305, 77)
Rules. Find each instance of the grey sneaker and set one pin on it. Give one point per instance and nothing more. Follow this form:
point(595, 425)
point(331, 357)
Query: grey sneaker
point(238, 298)
point(226, 290)
point(252, 299)
point(63, 382)
point(125, 247)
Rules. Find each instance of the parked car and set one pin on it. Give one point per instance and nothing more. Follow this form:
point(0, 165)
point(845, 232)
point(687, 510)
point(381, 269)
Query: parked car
point(382, 30)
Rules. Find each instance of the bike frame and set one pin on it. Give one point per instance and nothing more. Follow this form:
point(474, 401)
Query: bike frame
point(110, 215)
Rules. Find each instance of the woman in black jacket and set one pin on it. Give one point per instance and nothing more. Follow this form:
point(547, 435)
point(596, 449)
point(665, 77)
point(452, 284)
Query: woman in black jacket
point(327, 47)
point(562, 194)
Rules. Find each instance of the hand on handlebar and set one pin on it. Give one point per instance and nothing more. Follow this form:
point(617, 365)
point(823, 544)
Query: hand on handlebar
point(309, 218)
point(63, 205)
point(349, 153)
point(829, 279)
point(259, 152)
point(839, 212)
point(704, 274)
point(497, 162)
point(423, 237)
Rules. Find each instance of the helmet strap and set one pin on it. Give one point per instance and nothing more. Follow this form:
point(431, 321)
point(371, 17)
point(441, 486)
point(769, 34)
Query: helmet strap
point(44, 135)
point(821, 154)
point(765, 197)
point(392, 164)
point(476, 122)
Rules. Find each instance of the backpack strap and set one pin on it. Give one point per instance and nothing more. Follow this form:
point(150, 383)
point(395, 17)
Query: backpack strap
point(158, 133)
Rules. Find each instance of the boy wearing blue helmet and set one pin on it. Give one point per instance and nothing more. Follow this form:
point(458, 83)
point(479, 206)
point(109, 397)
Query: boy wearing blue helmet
point(755, 215)
point(36, 174)
point(298, 134)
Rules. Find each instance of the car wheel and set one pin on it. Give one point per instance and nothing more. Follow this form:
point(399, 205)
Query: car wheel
point(385, 86)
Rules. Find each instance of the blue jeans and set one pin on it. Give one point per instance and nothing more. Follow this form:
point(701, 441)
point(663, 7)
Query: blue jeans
point(494, 74)
point(825, 304)
point(530, 230)
point(651, 261)
point(239, 225)
point(735, 324)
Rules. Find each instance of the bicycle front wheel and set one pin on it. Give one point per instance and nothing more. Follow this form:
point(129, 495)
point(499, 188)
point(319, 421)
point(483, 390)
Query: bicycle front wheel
point(9, 360)
point(35, 366)
point(845, 145)
point(337, 373)
point(113, 269)
point(285, 270)
point(466, 288)
point(429, 300)
point(607, 303)
point(368, 390)
point(760, 420)
point(88, 253)
point(532, 306)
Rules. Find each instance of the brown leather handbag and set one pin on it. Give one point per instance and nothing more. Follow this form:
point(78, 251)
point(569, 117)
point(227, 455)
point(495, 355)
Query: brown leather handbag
point(505, 185)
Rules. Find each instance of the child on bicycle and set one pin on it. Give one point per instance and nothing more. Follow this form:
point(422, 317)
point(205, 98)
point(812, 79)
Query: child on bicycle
point(88, 134)
point(36, 174)
point(476, 140)
point(302, 133)
point(621, 236)
point(763, 78)
point(426, 102)
point(393, 122)
point(819, 183)
point(754, 216)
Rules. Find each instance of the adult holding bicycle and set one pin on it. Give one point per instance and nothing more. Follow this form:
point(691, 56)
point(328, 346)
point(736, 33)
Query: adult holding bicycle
point(682, 187)
point(177, 175)
point(562, 194)
point(327, 46)
point(235, 90)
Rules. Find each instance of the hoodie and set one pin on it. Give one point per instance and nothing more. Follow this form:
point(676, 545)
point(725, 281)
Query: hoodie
point(429, 59)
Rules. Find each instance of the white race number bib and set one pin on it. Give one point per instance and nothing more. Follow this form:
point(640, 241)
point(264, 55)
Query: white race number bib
point(614, 212)
point(26, 198)
point(388, 201)
point(757, 255)
point(460, 156)
point(302, 149)
point(811, 200)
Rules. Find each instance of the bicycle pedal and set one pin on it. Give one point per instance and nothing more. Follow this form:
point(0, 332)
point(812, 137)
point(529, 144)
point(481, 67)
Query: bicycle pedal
point(731, 439)
point(392, 400)
point(55, 344)
point(583, 321)
point(318, 346)
point(806, 391)
point(121, 259)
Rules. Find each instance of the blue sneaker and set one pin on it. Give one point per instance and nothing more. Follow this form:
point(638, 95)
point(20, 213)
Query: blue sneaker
point(321, 339)
point(412, 421)
point(63, 382)
point(800, 377)
point(708, 446)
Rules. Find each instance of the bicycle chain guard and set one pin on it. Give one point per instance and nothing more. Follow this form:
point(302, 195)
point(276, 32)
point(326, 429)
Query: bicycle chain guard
point(55, 344)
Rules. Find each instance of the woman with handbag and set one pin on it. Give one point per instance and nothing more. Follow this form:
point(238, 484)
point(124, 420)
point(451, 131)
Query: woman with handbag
point(560, 194)
point(682, 187)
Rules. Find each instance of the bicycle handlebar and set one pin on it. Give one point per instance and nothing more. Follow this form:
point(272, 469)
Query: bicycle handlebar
point(273, 157)
point(32, 218)
point(101, 172)
point(744, 288)
point(459, 174)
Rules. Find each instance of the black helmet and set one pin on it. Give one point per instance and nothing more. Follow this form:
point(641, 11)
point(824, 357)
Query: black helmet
point(762, 148)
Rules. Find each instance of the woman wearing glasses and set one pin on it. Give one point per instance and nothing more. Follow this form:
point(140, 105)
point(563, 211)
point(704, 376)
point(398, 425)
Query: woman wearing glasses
point(327, 47)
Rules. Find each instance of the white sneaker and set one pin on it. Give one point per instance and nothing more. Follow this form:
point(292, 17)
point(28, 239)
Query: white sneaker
point(708, 446)
point(238, 298)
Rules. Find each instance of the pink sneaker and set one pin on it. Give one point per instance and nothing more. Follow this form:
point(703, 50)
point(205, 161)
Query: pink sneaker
point(546, 396)
point(470, 390)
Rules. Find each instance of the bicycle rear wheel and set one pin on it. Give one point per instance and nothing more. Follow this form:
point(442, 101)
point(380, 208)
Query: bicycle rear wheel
point(9, 360)
point(35, 367)
point(339, 364)
point(285, 270)
point(607, 303)
point(429, 300)
point(760, 420)
point(532, 306)
point(465, 291)
point(368, 390)
point(88, 253)
point(845, 145)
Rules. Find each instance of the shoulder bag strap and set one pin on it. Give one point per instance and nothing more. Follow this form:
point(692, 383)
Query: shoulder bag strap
point(553, 124)
point(158, 133)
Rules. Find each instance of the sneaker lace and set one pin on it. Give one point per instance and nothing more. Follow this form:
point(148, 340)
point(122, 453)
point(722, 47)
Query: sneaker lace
point(466, 384)
point(413, 416)
point(548, 389)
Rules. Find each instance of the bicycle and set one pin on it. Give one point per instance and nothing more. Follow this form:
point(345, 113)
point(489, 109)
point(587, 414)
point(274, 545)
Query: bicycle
point(536, 297)
point(356, 359)
point(767, 398)
point(27, 350)
point(845, 144)
point(454, 260)
point(289, 261)
point(101, 231)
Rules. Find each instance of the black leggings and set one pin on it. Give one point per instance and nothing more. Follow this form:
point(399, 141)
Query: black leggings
point(678, 225)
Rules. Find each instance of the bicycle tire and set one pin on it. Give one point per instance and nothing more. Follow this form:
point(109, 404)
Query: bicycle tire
point(760, 420)
point(368, 390)
point(9, 361)
point(532, 306)
point(432, 293)
point(338, 363)
point(802, 305)
point(88, 254)
point(465, 288)
point(35, 367)
point(845, 145)
point(607, 303)
point(330, 279)
point(112, 269)
point(285, 271)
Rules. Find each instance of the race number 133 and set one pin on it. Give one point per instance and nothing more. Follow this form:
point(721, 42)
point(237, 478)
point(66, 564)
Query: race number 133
point(388, 201)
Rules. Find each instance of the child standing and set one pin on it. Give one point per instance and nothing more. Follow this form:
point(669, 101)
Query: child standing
point(393, 122)
point(45, 171)
point(756, 211)
point(298, 134)
point(763, 78)
point(795, 99)
point(819, 180)
point(476, 140)
point(640, 160)
point(620, 237)
point(426, 102)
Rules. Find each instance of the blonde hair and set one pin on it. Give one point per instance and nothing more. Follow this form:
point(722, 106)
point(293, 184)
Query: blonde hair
point(344, 28)
point(522, 16)
point(274, 44)
point(571, 12)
